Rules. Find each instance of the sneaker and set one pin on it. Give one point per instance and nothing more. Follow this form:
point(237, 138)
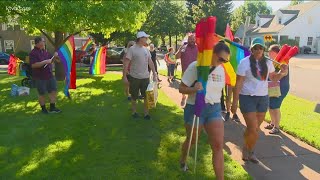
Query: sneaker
point(235, 118)
point(253, 158)
point(44, 111)
point(147, 117)
point(269, 126)
point(274, 130)
point(184, 167)
point(135, 115)
point(54, 110)
point(227, 117)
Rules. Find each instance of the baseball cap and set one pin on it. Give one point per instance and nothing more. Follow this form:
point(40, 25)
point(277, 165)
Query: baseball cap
point(257, 41)
point(141, 34)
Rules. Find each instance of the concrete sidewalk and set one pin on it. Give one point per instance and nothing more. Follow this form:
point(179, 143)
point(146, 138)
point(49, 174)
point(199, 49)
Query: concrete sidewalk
point(281, 156)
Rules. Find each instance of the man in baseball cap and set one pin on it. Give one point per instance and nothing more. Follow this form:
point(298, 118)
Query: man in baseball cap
point(139, 58)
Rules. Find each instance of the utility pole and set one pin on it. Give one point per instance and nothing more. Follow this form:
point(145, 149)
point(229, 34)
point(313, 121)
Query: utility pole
point(245, 28)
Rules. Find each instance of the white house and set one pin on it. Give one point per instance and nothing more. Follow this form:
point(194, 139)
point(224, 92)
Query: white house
point(300, 22)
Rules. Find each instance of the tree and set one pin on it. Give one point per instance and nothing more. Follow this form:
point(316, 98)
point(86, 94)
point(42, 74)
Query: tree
point(219, 8)
point(250, 8)
point(189, 18)
point(57, 20)
point(295, 2)
point(167, 18)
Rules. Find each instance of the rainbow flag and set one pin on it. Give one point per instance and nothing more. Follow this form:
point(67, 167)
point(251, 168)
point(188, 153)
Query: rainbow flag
point(205, 39)
point(98, 65)
point(67, 56)
point(87, 45)
point(237, 53)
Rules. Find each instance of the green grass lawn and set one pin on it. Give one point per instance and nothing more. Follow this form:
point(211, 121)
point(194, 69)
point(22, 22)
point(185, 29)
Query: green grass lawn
point(177, 73)
point(94, 137)
point(300, 120)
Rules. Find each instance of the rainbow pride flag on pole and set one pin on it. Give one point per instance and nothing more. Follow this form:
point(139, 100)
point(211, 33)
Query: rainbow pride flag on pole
point(98, 65)
point(87, 45)
point(237, 53)
point(67, 56)
point(205, 39)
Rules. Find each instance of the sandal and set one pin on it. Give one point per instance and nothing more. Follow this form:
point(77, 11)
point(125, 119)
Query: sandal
point(274, 130)
point(269, 126)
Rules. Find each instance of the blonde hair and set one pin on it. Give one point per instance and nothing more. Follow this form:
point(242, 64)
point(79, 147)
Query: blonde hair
point(130, 43)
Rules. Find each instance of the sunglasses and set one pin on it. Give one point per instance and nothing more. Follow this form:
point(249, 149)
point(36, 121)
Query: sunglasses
point(221, 59)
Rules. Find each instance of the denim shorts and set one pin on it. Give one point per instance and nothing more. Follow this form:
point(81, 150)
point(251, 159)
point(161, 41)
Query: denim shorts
point(253, 103)
point(209, 113)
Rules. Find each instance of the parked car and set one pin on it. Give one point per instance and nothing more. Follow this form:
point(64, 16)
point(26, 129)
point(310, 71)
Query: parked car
point(118, 49)
point(80, 55)
point(113, 57)
point(305, 50)
point(163, 48)
point(4, 58)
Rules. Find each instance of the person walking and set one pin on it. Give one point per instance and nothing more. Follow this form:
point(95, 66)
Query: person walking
point(210, 117)
point(275, 102)
point(251, 91)
point(139, 58)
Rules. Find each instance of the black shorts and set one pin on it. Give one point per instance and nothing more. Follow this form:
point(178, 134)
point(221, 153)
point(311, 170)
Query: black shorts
point(136, 86)
point(44, 86)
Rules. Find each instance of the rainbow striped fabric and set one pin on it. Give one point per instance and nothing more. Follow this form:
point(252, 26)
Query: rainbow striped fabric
point(87, 45)
point(237, 53)
point(67, 56)
point(205, 39)
point(98, 65)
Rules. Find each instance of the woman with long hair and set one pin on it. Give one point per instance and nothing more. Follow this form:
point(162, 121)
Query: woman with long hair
point(252, 93)
point(210, 117)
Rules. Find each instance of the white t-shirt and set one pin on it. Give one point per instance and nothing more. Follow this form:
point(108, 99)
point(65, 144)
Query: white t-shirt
point(139, 61)
point(251, 85)
point(215, 84)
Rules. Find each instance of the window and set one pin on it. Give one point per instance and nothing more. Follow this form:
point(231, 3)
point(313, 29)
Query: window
point(32, 44)
point(4, 27)
point(297, 38)
point(279, 20)
point(8, 45)
point(258, 23)
point(310, 39)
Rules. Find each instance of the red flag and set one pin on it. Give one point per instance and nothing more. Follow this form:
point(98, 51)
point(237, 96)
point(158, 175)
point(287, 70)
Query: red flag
point(228, 34)
point(73, 74)
point(12, 67)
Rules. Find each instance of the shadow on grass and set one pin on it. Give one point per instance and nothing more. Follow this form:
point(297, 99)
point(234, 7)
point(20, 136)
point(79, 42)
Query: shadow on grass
point(94, 136)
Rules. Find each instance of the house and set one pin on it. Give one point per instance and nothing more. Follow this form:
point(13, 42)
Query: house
point(298, 22)
point(14, 38)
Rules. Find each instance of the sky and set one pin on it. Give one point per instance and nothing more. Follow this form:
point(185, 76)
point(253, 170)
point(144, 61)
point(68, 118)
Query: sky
point(274, 4)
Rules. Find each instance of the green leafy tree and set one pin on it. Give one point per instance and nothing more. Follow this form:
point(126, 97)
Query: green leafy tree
point(249, 8)
point(57, 19)
point(167, 18)
point(295, 2)
point(219, 8)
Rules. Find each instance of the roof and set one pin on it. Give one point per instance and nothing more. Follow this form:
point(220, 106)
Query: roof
point(274, 27)
point(284, 11)
point(265, 16)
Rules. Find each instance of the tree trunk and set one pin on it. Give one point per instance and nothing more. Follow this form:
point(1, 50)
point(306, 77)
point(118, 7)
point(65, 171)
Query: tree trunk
point(176, 42)
point(163, 41)
point(170, 42)
point(59, 69)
